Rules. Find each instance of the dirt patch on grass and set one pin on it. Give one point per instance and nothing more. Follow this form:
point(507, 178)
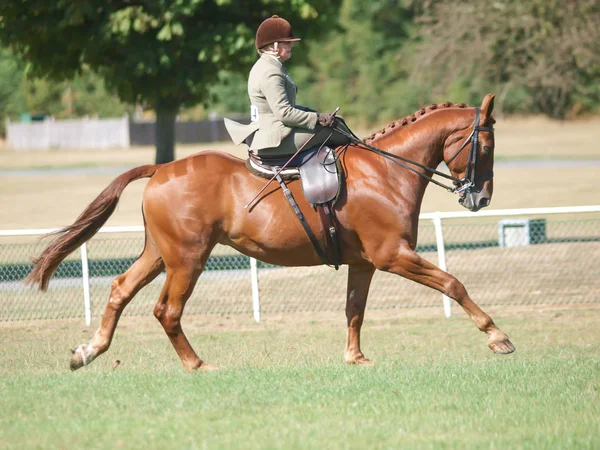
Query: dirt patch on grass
point(194, 324)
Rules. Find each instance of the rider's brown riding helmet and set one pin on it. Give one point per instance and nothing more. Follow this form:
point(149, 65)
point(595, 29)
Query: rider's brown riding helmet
point(274, 29)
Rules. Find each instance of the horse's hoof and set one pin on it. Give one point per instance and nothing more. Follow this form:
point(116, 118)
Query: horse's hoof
point(502, 346)
point(360, 361)
point(78, 357)
point(364, 362)
point(205, 367)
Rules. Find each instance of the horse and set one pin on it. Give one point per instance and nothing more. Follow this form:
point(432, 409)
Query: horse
point(190, 205)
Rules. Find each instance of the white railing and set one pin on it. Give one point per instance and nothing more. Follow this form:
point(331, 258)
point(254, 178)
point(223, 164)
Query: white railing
point(436, 219)
point(69, 134)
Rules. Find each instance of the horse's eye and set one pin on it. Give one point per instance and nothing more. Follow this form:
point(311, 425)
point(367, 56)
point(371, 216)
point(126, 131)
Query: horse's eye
point(487, 149)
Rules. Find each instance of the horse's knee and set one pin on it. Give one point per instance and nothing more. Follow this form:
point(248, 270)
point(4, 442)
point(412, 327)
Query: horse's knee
point(159, 311)
point(455, 289)
point(385, 259)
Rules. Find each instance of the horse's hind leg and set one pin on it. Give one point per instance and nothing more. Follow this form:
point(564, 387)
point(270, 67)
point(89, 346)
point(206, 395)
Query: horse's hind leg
point(169, 309)
point(410, 265)
point(359, 280)
point(123, 289)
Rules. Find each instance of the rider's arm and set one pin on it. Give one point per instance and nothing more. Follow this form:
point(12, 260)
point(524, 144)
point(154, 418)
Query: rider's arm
point(273, 88)
point(304, 108)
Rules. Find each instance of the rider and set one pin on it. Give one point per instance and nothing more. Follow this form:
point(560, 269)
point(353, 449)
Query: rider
point(278, 126)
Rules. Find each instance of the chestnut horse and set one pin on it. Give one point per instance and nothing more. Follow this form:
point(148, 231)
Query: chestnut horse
point(192, 204)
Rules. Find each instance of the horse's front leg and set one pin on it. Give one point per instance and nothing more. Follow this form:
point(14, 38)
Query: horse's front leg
point(410, 265)
point(359, 280)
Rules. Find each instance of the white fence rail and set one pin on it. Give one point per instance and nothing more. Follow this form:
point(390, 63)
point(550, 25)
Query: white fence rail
point(550, 255)
point(91, 133)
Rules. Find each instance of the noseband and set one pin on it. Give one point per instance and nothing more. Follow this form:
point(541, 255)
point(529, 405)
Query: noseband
point(465, 184)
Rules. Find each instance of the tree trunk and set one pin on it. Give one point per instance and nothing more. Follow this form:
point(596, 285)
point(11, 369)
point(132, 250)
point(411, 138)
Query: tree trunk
point(165, 133)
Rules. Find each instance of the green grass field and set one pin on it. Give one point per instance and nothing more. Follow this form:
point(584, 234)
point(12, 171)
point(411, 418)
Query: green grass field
point(283, 384)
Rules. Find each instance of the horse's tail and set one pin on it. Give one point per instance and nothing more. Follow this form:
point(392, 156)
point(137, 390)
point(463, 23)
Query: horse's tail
point(86, 226)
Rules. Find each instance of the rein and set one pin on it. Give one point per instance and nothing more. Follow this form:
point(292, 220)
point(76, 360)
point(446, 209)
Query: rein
point(464, 184)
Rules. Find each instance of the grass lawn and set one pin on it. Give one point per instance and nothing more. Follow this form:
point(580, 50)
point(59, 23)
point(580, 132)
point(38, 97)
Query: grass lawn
point(283, 384)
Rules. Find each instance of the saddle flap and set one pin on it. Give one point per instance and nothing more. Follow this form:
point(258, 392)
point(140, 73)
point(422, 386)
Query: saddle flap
point(319, 176)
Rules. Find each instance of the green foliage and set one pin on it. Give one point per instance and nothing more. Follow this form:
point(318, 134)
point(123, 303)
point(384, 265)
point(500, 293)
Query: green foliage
point(162, 52)
point(11, 75)
point(90, 97)
point(394, 56)
point(379, 59)
point(44, 97)
point(85, 95)
point(547, 49)
point(362, 67)
point(230, 94)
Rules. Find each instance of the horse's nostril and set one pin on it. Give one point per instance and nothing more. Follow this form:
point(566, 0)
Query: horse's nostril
point(484, 202)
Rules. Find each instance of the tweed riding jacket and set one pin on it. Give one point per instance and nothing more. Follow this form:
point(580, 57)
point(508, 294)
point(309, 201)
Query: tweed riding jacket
point(273, 112)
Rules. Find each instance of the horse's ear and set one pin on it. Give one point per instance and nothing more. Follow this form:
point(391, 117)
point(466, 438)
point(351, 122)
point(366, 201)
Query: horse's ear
point(487, 107)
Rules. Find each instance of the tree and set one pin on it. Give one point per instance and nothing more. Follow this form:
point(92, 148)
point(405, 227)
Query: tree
point(11, 76)
point(85, 95)
point(544, 52)
point(166, 53)
point(359, 67)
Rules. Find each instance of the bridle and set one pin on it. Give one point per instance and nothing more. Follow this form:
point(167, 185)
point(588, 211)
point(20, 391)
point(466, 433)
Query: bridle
point(469, 181)
point(461, 185)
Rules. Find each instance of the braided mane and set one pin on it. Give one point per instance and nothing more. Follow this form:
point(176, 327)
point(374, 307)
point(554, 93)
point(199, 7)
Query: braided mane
point(413, 117)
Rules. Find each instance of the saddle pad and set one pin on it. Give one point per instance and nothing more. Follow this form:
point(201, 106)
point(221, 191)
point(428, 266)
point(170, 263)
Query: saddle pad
point(267, 171)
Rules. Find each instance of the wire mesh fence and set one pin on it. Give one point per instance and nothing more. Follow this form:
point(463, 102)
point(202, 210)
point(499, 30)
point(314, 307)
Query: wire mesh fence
point(542, 259)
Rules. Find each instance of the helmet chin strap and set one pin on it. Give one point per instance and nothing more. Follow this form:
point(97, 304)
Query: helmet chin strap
point(274, 53)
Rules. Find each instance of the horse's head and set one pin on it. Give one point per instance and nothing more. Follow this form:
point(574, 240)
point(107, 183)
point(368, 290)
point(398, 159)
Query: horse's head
point(469, 154)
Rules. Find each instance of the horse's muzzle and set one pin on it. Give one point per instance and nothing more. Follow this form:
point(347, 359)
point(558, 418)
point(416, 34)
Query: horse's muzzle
point(474, 201)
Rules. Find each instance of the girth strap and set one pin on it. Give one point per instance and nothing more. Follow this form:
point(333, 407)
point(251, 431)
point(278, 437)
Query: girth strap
point(332, 245)
point(296, 208)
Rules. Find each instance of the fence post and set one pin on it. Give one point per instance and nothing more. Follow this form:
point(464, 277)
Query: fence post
point(125, 139)
point(439, 238)
point(255, 295)
point(86, 285)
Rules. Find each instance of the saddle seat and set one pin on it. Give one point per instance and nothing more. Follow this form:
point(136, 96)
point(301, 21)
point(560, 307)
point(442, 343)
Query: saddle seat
point(318, 170)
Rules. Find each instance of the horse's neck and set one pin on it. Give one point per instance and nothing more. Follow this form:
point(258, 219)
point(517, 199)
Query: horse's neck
point(419, 146)
point(423, 144)
point(424, 140)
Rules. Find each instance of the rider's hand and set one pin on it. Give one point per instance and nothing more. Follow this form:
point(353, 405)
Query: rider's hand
point(326, 120)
